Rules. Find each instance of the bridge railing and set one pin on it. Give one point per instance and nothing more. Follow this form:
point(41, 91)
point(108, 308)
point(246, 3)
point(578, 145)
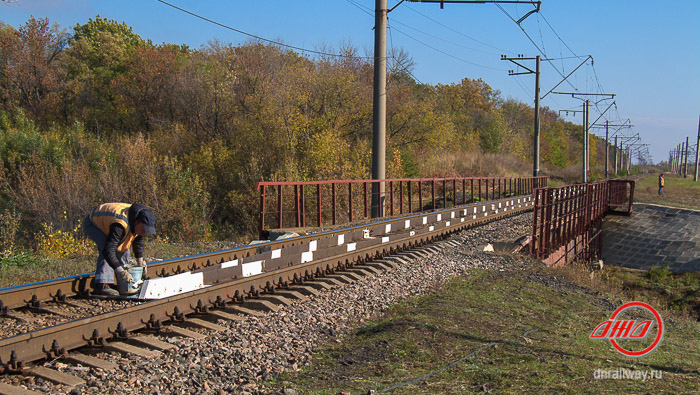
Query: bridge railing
point(285, 205)
point(567, 221)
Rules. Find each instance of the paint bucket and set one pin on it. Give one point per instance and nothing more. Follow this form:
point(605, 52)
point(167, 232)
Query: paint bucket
point(136, 273)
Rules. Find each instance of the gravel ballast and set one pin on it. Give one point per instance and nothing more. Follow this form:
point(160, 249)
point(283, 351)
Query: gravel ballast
point(254, 349)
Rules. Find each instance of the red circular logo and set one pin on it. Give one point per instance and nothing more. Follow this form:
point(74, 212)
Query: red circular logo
point(615, 329)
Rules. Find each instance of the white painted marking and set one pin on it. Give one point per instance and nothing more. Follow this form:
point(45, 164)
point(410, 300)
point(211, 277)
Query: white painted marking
point(387, 228)
point(474, 216)
point(252, 268)
point(474, 210)
point(499, 205)
point(425, 220)
point(407, 224)
point(485, 214)
point(447, 223)
point(276, 253)
point(439, 217)
point(385, 239)
point(464, 212)
point(496, 211)
point(432, 228)
point(307, 256)
point(461, 220)
point(483, 208)
point(163, 287)
point(232, 263)
point(352, 246)
point(313, 245)
point(412, 233)
point(341, 239)
point(518, 200)
point(452, 214)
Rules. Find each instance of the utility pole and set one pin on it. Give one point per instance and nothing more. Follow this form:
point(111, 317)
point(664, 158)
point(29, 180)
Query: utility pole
point(607, 149)
point(616, 151)
point(585, 123)
point(697, 153)
point(585, 140)
point(379, 109)
point(680, 164)
point(536, 72)
point(685, 166)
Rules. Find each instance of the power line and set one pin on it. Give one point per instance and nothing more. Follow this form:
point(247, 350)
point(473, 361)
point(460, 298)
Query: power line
point(256, 36)
point(501, 50)
point(445, 53)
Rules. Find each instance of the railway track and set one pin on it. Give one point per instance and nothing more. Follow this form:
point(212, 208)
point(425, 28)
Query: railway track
point(288, 269)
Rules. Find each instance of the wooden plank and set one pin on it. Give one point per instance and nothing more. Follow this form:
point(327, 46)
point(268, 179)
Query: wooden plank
point(172, 330)
point(56, 377)
point(261, 305)
point(8, 389)
point(291, 294)
point(304, 290)
point(218, 314)
point(238, 309)
point(93, 362)
point(153, 342)
point(203, 324)
point(276, 299)
point(125, 348)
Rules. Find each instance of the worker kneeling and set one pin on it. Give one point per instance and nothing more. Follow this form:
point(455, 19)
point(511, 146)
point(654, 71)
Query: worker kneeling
point(115, 228)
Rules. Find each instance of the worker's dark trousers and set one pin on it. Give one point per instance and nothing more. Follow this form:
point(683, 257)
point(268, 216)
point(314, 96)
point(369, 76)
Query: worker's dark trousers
point(103, 273)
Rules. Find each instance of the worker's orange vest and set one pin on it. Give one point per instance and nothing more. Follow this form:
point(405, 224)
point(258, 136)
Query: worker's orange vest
point(114, 213)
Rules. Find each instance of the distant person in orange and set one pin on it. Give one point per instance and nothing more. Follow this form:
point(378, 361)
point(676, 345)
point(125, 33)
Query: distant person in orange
point(661, 184)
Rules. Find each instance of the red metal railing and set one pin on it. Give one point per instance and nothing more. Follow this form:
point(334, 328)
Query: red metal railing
point(567, 221)
point(335, 202)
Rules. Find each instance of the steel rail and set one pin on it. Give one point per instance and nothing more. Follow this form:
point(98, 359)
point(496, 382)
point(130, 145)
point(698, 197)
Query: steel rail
point(59, 290)
point(20, 350)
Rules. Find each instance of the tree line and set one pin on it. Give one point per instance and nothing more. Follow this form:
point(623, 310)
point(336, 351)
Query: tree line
point(96, 113)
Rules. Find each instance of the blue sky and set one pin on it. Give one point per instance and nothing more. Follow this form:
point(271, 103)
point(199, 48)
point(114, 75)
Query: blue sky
point(646, 52)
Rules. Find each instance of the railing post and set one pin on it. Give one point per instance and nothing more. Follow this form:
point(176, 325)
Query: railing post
point(432, 185)
point(350, 201)
point(420, 195)
point(279, 206)
point(303, 206)
point(318, 205)
point(472, 190)
point(391, 196)
point(401, 197)
point(479, 188)
point(366, 208)
point(410, 199)
point(262, 209)
point(296, 205)
point(335, 207)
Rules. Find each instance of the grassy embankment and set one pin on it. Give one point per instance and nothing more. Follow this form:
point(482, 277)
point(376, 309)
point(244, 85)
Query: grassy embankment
point(678, 191)
point(491, 313)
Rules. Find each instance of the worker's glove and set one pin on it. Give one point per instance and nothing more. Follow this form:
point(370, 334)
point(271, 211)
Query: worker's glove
point(141, 263)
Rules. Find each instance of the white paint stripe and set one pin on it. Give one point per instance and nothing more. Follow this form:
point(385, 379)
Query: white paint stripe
point(425, 220)
point(432, 228)
point(387, 228)
point(164, 287)
point(461, 220)
point(276, 254)
point(232, 263)
point(385, 239)
point(407, 224)
point(313, 245)
point(341, 239)
point(352, 246)
point(307, 256)
point(452, 214)
point(447, 223)
point(439, 217)
point(252, 268)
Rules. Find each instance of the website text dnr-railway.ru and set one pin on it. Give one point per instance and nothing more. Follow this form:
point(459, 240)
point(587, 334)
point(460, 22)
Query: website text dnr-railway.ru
point(626, 374)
